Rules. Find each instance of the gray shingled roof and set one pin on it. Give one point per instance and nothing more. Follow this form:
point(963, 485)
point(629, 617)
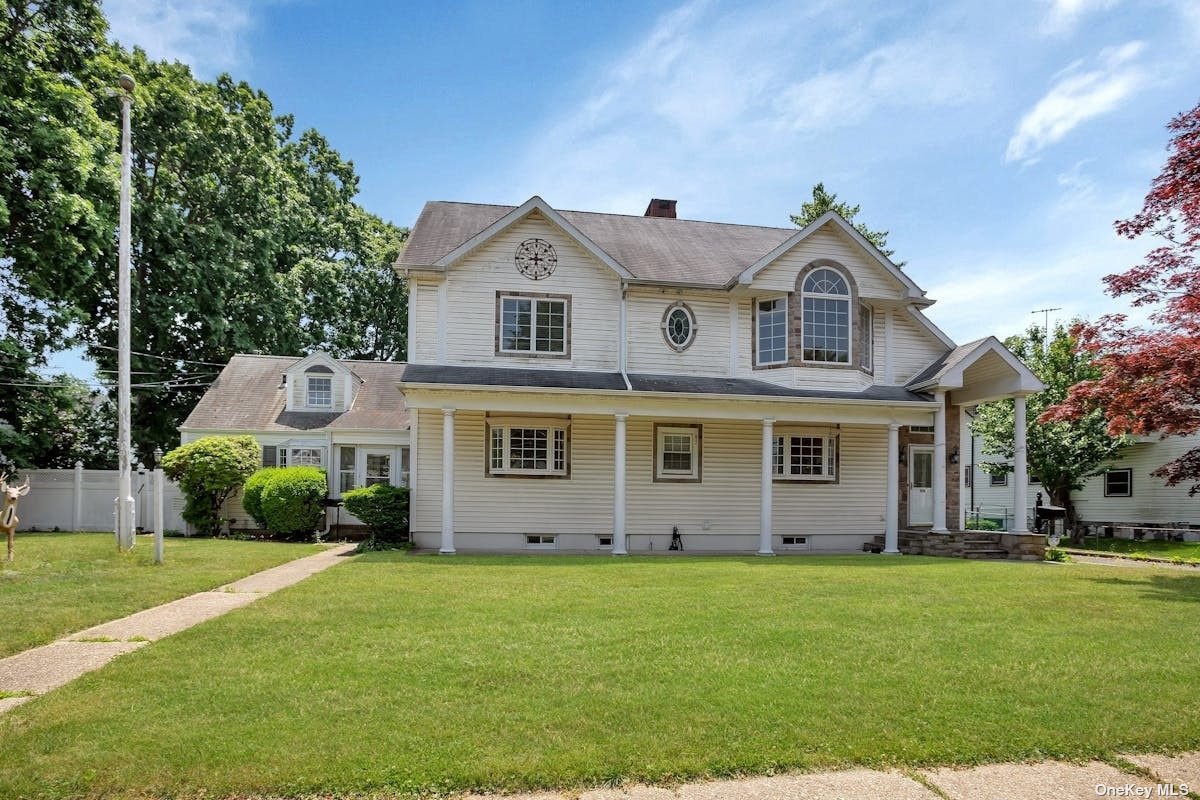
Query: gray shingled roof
point(946, 363)
point(651, 248)
point(612, 381)
point(248, 395)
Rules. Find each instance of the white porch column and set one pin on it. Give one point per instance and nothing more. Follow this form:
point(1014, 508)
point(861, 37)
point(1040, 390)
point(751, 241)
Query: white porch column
point(891, 525)
point(447, 481)
point(964, 463)
point(1020, 468)
point(939, 464)
point(618, 545)
point(768, 477)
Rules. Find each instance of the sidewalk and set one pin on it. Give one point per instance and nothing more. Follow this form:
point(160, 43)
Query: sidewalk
point(44, 668)
point(1153, 777)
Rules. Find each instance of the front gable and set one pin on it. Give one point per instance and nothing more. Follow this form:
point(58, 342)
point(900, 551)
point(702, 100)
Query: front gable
point(318, 383)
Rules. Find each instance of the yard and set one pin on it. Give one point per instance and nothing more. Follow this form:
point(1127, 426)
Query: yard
point(395, 673)
point(60, 583)
point(1188, 552)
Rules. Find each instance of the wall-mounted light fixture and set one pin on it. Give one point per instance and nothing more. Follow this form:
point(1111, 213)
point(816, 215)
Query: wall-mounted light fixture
point(954, 456)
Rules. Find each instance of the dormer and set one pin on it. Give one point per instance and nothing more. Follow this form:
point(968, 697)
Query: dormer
point(321, 384)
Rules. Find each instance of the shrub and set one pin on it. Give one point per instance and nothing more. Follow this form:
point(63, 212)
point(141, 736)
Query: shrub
point(982, 524)
point(1055, 554)
point(383, 509)
point(252, 494)
point(208, 470)
point(292, 501)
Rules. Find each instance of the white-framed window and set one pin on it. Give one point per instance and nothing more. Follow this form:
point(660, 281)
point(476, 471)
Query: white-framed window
point(679, 326)
point(320, 391)
point(866, 337)
point(305, 457)
point(527, 448)
point(1034, 479)
point(771, 330)
point(825, 317)
point(347, 468)
point(677, 452)
point(998, 480)
point(533, 325)
point(1118, 483)
point(541, 541)
point(920, 429)
point(805, 456)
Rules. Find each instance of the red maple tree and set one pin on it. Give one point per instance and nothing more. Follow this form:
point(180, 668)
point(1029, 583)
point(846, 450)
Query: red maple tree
point(1151, 374)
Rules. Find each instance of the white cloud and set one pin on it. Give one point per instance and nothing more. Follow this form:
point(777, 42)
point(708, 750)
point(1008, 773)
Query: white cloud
point(205, 34)
point(1076, 97)
point(1063, 15)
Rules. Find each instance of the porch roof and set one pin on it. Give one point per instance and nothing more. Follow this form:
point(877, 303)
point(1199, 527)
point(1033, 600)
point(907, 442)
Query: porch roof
point(639, 383)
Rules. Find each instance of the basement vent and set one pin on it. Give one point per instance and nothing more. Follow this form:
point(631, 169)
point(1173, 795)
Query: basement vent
point(540, 541)
point(799, 542)
point(604, 541)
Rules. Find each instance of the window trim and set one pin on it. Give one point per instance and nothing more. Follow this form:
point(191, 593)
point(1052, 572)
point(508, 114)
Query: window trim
point(505, 425)
point(696, 431)
point(787, 337)
point(849, 298)
point(866, 350)
point(693, 328)
point(534, 298)
point(1128, 482)
point(308, 392)
point(780, 467)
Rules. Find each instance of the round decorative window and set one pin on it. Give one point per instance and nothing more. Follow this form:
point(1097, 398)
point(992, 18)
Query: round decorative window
point(679, 326)
point(535, 259)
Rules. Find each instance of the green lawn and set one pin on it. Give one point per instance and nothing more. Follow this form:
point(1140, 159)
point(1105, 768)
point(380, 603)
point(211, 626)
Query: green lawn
point(394, 673)
point(60, 583)
point(1176, 551)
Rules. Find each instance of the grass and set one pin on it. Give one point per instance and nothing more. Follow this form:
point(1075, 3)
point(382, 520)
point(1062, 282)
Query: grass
point(395, 673)
point(1184, 552)
point(60, 583)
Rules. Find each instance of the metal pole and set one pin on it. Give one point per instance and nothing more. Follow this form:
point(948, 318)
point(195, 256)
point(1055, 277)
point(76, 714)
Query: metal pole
point(124, 484)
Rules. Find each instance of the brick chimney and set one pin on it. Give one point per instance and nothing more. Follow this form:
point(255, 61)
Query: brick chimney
point(661, 208)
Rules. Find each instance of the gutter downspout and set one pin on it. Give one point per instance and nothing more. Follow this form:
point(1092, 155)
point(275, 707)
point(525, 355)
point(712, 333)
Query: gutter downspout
point(622, 344)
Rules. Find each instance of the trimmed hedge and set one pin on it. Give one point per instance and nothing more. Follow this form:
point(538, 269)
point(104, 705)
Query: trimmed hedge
point(293, 501)
point(252, 494)
point(208, 470)
point(382, 508)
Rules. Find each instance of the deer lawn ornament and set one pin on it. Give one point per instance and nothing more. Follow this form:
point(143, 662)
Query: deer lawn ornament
point(8, 515)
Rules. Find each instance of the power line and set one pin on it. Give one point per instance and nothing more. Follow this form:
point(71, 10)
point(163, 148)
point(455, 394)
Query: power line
point(165, 358)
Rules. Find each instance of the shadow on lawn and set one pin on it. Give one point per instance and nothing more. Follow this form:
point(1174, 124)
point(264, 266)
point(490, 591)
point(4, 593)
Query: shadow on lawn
point(1175, 588)
point(592, 560)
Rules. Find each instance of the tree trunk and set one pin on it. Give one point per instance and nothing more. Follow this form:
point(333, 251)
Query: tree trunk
point(1062, 497)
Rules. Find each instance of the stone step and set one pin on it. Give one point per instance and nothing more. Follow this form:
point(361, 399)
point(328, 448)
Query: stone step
point(985, 554)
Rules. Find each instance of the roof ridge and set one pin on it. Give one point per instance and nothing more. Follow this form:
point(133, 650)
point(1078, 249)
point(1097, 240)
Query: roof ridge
point(617, 214)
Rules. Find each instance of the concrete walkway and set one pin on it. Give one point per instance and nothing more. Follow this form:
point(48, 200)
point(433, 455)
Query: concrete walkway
point(42, 669)
point(1151, 777)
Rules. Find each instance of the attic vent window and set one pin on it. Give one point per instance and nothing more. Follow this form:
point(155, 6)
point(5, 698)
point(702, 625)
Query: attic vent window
point(679, 326)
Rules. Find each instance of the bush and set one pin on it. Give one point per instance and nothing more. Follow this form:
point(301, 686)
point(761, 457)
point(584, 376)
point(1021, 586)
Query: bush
point(982, 524)
point(383, 509)
point(208, 470)
point(292, 501)
point(252, 494)
point(1055, 554)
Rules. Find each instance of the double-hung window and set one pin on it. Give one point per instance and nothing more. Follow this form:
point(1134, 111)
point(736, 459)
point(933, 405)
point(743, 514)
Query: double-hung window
point(772, 325)
point(825, 311)
point(1118, 483)
point(528, 448)
point(320, 391)
point(533, 325)
point(805, 456)
point(677, 452)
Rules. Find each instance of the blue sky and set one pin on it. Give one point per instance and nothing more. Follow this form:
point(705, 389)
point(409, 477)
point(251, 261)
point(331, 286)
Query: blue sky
point(997, 142)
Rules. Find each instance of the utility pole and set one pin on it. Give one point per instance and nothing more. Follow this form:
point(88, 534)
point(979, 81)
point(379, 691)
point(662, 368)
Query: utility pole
point(125, 480)
point(1045, 322)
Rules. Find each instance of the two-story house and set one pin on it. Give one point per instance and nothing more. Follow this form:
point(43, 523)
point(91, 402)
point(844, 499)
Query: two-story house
point(598, 382)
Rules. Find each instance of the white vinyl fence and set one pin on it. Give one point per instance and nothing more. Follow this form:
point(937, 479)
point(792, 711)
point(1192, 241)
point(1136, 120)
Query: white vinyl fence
point(83, 500)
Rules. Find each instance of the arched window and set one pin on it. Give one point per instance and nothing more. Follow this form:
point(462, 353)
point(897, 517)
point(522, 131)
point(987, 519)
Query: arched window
point(825, 310)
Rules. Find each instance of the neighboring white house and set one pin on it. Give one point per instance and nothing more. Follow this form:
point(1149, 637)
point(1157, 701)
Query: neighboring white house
point(597, 382)
point(346, 417)
point(1124, 495)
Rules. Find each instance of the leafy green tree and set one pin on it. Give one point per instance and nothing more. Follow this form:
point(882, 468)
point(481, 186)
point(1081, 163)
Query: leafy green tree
point(824, 200)
point(58, 173)
point(208, 471)
point(1061, 454)
point(292, 501)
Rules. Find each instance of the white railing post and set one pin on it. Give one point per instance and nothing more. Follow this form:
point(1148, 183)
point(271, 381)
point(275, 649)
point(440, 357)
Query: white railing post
point(891, 524)
point(619, 547)
point(766, 504)
point(77, 508)
point(447, 547)
point(939, 464)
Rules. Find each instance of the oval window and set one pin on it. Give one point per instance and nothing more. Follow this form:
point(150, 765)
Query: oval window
point(679, 326)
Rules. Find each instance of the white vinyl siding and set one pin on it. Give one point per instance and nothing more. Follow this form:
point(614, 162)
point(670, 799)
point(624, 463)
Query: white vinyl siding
point(473, 283)
point(720, 513)
point(425, 310)
point(870, 278)
point(913, 347)
point(648, 352)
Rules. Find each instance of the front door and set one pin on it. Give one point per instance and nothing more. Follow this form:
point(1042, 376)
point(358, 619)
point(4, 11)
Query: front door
point(920, 485)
